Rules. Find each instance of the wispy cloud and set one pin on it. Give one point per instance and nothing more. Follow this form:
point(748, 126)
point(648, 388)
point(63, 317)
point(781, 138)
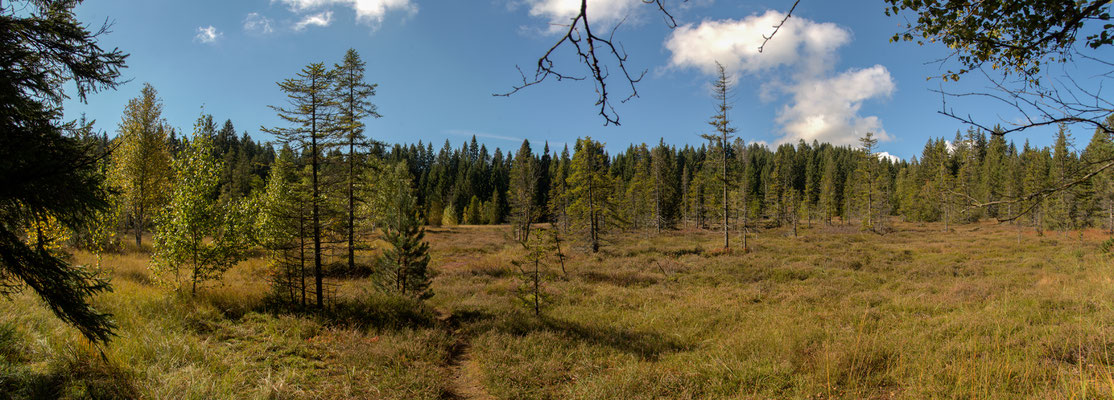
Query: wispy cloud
point(208, 34)
point(369, 12)
point(468, 133)
point(322, 19)
point(256, 23)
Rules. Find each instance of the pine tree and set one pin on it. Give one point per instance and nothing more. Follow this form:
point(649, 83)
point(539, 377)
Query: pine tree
point(994, 174)
point(1036, 181)
point(559, 191)
point(829, 200)
point(868, 174)
point(280, 229)
point(524, 177)
point(1098, 152)
point(663, 181)
point(403, 267)
point(721, 88)
point(353, 106)
point(1061, 208)
point(311, 131)
point(46, 172)
point(590, 190)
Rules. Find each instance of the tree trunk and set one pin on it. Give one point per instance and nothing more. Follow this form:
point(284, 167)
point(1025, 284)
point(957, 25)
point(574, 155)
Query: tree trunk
point(1110, 211)
point(351, 203)
point(657, 205)
point(723, 177)
point(316, 207)
point(592, 223)
point(537, 293)
point(302, 253)
point(745, 231)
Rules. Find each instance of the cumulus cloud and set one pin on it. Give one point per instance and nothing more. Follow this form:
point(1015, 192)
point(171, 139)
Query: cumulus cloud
point(734, 43)
point(323, 18)
point(827, 109)
point(559, 13)
point(207, 34)
point(824, 106)
point(371, 12)
point(258, 24)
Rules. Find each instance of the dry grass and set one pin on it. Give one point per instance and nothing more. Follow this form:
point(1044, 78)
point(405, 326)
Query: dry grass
point(919, 313)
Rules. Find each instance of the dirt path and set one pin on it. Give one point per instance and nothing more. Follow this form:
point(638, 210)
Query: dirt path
point(466, 379)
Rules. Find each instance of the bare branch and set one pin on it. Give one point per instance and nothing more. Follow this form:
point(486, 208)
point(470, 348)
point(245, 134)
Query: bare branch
point(766, 39)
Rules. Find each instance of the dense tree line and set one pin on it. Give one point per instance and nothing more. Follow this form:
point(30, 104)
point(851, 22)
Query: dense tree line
point(59, 184)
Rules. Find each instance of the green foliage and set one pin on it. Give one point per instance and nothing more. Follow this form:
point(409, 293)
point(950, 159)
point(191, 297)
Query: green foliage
point(403, 267)
point(44, 171)
point(523, 191)
point(197, 235)
point(280, 229)
point(141, 162)
point(591, 207)
point(1017, 37)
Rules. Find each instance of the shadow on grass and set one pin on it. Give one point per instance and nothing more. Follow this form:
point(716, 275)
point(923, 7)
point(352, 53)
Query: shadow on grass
point(371, 312)
point(75, 375)
point(648, 346)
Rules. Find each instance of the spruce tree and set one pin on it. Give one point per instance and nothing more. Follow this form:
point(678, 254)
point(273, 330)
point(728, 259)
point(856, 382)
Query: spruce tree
point(46, 172)
point(590, 189)
point(403, 267)
point(524, 177)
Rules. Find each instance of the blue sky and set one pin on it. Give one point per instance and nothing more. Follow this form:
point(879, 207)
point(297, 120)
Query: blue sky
point(830, 74)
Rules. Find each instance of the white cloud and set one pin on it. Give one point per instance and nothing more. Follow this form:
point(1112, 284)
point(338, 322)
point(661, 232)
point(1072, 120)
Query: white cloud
point(824, 106)
point(603, 13)
point(827, 109)
point(371, 12)
point(258, 24)
point(734, 43)
point(323, 18)
point(208, 34)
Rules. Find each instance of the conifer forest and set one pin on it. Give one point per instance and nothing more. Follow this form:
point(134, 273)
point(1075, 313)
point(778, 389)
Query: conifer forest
point(311, 256)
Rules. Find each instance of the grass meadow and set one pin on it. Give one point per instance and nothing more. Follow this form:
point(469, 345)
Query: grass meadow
point(983, 311)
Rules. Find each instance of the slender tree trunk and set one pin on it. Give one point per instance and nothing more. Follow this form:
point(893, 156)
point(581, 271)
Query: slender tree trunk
point(657, 204)
point(560, 254)
point(870, 201)
point(1110, 211)
point(537, 293)
point(592, 222)
point(137, 220)
point(745, 248)
point(193, 289)
point(723, 178)
point(302, 254)
point(351, 203)
point(316, 207)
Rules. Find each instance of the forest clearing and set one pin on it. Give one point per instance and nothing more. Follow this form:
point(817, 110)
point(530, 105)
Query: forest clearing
point(984, 311)
point(750, 230)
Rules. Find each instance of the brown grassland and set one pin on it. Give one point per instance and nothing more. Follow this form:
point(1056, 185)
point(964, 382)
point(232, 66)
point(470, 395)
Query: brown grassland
point(979, 312)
